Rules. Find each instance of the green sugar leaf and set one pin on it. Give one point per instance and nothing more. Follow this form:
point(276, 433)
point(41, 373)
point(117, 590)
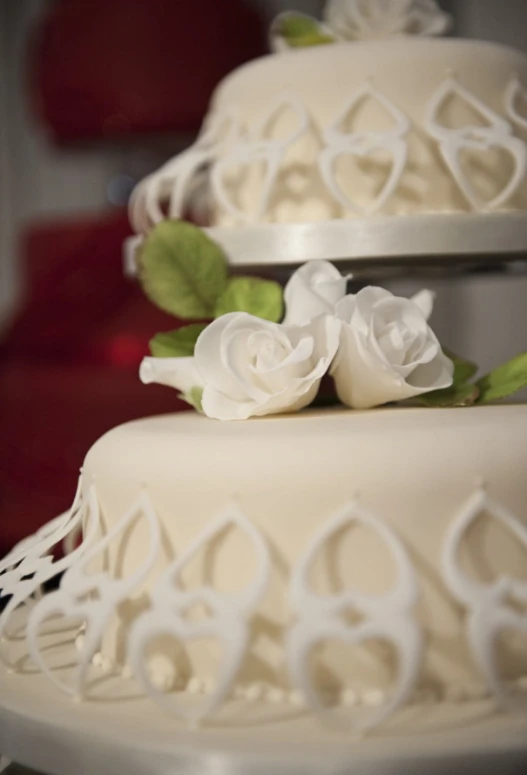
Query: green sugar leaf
point(504, 381)
point(300, 31)
point(176, 344)
point(194, 398)
point(463, 370)
point(182, 271)
point(262, 298)
point(456, 395)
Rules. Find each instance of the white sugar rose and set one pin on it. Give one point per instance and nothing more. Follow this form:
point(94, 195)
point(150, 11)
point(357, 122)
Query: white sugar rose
point(364, 19)
point(251, 367)
point(387, 351)
point(313, 290)
point(178, 373)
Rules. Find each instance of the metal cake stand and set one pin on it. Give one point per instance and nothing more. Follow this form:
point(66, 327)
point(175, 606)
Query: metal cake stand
point(382, 246)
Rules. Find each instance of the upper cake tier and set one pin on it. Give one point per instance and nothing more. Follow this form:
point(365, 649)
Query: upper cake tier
point(347, 130)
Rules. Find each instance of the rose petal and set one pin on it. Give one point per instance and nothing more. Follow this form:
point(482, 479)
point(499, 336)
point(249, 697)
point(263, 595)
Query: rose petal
point(313, 290)
point(179, 373)
point(425, 301)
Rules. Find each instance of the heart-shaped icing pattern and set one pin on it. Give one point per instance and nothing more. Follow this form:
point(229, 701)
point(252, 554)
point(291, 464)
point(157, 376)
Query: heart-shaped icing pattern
point(230, 633)
point(514, 94)
point(330, 156)
point(341, 142)
point(495, 134)
point(388, 616)
point(285, 105)
point(495, 124)
point(486, 603)
point(174, 182)
point(452, 147)
point(336, 133)
point(93, 597)
point(242, 159)
point(262, 145)
point(30, 564)
point(228, 623)
point(397, 629)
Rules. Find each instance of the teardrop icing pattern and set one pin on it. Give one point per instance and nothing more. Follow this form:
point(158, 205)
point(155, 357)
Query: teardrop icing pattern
point(488, 614)
point(515, 95)
point(175, 182)
point(30, 565)
point(496, 134)
point(228, 623)
point(341, 143)
point(262, 145)
point(387, 617)
point(93, 597)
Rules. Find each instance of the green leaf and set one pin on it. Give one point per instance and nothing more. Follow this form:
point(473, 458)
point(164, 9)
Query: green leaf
point(182, 271)
point(457, 395)
point(504, 381)
point(300, 30)
point(176, 344)
point(463, 370)
point(262, 298)
point(194, 398)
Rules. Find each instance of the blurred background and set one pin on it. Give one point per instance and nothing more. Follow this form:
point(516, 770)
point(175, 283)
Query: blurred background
point(94, 94)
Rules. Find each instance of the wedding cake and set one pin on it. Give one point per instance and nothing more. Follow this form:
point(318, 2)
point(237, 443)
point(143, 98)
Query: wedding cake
point(363, 114)
point(338, 530)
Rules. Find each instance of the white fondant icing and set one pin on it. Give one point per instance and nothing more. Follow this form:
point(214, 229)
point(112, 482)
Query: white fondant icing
point(227, 624)
point(176, 180)
point(320, 81)
point(341, 143)
point(30, 564)
point(260, 147)
point(93, 597)
point(488, 612)
point(497, 134)
point(386, 617)
point(515, 93)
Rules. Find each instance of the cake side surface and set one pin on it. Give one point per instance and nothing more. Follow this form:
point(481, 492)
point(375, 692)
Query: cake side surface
point(413, 469)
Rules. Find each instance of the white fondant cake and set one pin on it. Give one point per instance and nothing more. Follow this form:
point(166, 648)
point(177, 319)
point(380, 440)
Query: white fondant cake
point(401, 126)
point(341, 561)
point(413, 471)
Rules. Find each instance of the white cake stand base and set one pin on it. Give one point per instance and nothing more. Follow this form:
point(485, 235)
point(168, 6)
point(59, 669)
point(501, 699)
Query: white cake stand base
point(119, 732)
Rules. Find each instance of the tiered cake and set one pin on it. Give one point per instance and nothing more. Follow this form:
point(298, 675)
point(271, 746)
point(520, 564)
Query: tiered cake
point(344, 561)
point(357, 126)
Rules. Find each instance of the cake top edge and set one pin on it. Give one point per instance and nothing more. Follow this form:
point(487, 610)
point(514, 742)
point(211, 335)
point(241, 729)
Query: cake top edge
point(335, 418)
point(442, 46)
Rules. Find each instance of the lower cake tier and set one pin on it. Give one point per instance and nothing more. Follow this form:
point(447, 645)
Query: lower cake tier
point(333, 555)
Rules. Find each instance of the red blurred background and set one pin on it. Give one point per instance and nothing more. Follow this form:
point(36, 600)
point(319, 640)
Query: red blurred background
point(134, 77)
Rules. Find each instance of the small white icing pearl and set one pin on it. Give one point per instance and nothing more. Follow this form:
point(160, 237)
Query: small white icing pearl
point(97, 660)
point(276, 695)
point(79, 642)
point(297, 698)
point(195, 685)
point(106, 664)
point(254, 692)
point(373, 698)
point(208, 685)
point(349, 698)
